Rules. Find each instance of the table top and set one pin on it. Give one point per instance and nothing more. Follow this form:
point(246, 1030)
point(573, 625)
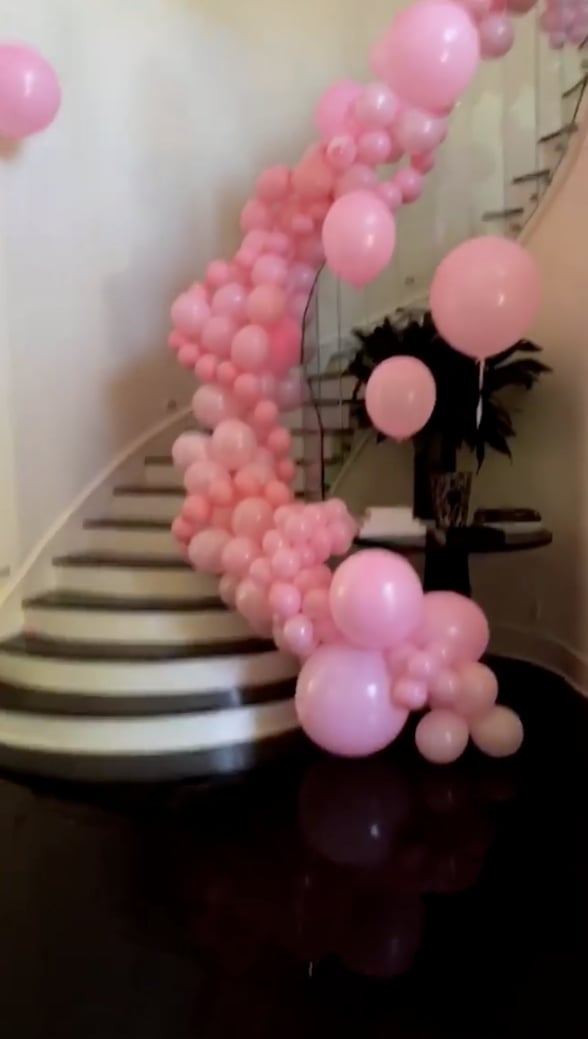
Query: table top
point(462, 537)
point(315, 897)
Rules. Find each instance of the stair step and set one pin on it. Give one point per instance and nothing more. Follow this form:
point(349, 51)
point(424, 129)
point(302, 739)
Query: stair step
point(568, 129)
point(117, 604)
point(543, 174)
point(133, 537)
point(132, 576)
point(67, 649)
point(99, 559)
point(503, 214)
point(108, 523)
point(581, 83)
point(143, 491)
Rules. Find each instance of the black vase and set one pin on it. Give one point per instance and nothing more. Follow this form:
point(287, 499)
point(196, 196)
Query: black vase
point(451, 493)
point(422, 494)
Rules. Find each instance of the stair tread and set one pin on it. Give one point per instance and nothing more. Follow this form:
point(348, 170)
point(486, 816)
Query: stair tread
point(568, 128)
point(122, 560)
point(119, 604)
point(69, 649)
point(108, 523)
point(535, 175)
point(145, 490)
point(571, 90)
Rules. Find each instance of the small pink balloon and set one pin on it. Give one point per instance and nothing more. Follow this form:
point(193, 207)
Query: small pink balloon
point(290, 391)
point(251, 348)
point(341, 533)
point(457, 621)
point(266, 304)
point(343, 702)
point(30, 94)
point(270, 269)
point(279, 443)
point(499, 733)
point(478, 690)
point(400, 397)
point(423, 666)
point(218, 273)
point(196, 509)
point(390, 194)
point(322, 544)
point(316, 604)
point(273, 185)
point(419, 131)
point(189, 448)
point(238, 555)
point(277, 493)
point(182, 531)
point(247, 388)
point(424, 162)
point(359, 235)
point(261, 572)
point(410, 184)
point(335, 112)
point(211, 404)
point(341, 153)
point(252, 518)
point(227, 590)
point(410, 693)
point(442, 737)
point(313, 179)
point(206, 550)
point(255, 216)
point(430, 54)
point(206, 368)
point(557, 40)
point(233, 444)
point(285, 564)
point(374, 147)
point(299, 636)
point(190, 311)
point(221, 519)
point(285, 345)
point(221, 494)
point(359, 178)
point(218, 334)
point(496, 35)
point(265, 415)
point(284, 599)
point(445, 688)
point(485, 295)
point(478, 9)
point(376, 107)
point(226, 373)
point(251, 601)
point(286, 470)
point(376, 599)
point(518, 6)
point(200, 476)
point(272, 542)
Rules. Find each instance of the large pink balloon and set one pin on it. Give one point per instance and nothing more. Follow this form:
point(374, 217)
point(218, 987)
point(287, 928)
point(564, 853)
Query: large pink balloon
point(376, 599)
point(430, 54)
point(485, 296)
point(457, 623)
point(359, 235)
point(400, 396)
point(343, 702)
point(30, 94)
point(334, 115)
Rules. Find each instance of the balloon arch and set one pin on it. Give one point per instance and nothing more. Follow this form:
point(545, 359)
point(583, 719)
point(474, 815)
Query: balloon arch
point(373, 646)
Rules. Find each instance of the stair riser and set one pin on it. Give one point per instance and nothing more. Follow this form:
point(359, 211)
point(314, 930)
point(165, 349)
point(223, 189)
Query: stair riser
point(142, 678)
point(334, 417)
point(144, 627)
point(135, 583)
point(333, 389)
point(157, 543)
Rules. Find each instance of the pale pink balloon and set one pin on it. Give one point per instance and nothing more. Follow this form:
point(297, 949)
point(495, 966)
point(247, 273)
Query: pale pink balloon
point(445, 688)
point(196, 509)
point(189, 448)
point(423, 666)
point(206, 367)
point(285, 345)
point(376, 107)
point(374, 147)
point(478, 690)
point(260, 571)
point(279, 443)
point(272, 542)
point(478, 9)
point(499, 733)
point(279, 243)
point(227, 590)
point(273, 184)
point(322, 544)
point(577, 32)
point(359, 235)
point(221, 519)
point(251, 480)
point(182, 530)
point(221, 493)
point(189, 313)
point(400, 397)
point(175, 340)
point(359, 178)
point(419, 131)
point(313, 177)
point(410, 693)
point(238, 555)
point(265, 416)
point(270, 270)
point(485, 295)
point(457, 621)
point(230, 301)
point(284, 599)
point(226, 373)
point(376, 599)
point(390, 194)
point(410, 183)
point(286, 564)
point(496, 35)
point(266, 304)
point(218, 334)
point(341, 153)
point(299, 636)
point(335, 111)
point(218, 273)
point(233, 444)
point(211, 404)
point(442, 737)
point(251, 601)
point(341, 533)
point(343, 702)
point(30, 94)
point(277, 493)
point(199, 476)
point(252, 518)
point(251, 348)
point(310, 250)
point(431, 54)
point(206, 550)
point(255, 216)
point(188, 355)
point(316, 604)
point(247, 388)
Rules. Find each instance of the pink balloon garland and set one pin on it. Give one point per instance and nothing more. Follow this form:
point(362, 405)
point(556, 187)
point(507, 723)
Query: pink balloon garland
point(374, 648)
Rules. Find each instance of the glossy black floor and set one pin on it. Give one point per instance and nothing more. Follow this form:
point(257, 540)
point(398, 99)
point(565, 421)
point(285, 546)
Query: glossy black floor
point(383, 898)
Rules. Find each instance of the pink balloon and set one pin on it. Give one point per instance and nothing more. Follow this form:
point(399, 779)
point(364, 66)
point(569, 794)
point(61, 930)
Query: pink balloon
point(265, 416)
point(419, 131)
point(485, 295)
point(30, 94)
point(255, 216)
point(313, 178)
point(423, 666)
point(247, 388)
point(218, 334)
point(251, 348)
point(459, 622)
point(341, 153)
point(335, 112)
point(260, 571)
point(270, 270)
point(343, 702)
point(182, 531)
point(206, 550)
point(431, 54)
point(285, 350)
point(251, 602)
point(376, 599)
point(390, 194)
point(445, 688)
point(478, 690)
point(299, 636)
point(359, 178)
point(212, 404)
point(230, 301)
point(286, 564)
point(196, 509)
point(442, 737)
point(410, 184)
point(279, 443)
point(252, 518)
point(284, 599)
point(290, 391)
point(277, 493)
point(499, 733)
point(189, 313)
point(376, 107)
point(316, 604)
point(227, 590)
point(273, 185)
point(218, 273)
point(410, 693)
point(424, 162)
point(266, 304)
point(496, 35)
point(200, 476)
point(233, 444)
point(206, 368)
point(238, 555)
point(478, 9)
point(221, 493)
point(400, 397)
point(374, 147)
point(226, 373)
point(520, 6)
point(190, 447)
point(359, 235)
